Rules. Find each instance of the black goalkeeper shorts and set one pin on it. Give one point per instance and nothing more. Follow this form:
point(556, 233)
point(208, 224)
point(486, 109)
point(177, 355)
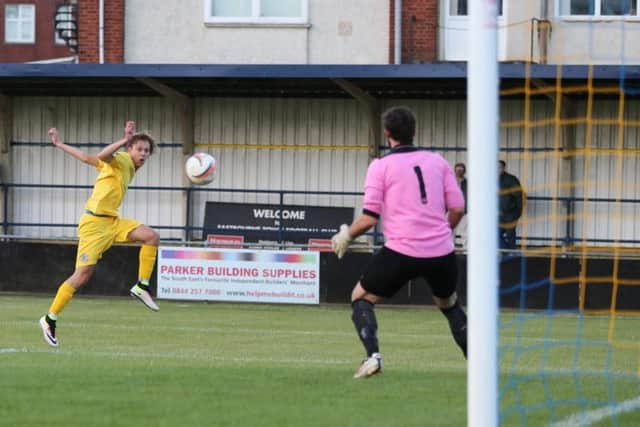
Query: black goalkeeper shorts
point(388, 271)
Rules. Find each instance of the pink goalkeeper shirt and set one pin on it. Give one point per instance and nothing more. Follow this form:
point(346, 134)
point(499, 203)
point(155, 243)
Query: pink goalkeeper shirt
point(412, 189)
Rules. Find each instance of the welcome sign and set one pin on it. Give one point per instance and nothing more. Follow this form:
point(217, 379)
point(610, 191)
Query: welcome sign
point(274, 223)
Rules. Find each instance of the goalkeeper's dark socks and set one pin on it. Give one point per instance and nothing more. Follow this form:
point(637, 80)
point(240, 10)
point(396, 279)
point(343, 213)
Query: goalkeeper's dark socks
point(364, 319)
point(458, 325)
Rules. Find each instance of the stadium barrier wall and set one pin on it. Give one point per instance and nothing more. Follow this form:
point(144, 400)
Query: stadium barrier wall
point(36, 267)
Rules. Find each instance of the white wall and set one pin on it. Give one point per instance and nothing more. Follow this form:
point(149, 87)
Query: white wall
point(91, 122)
point(571, 40)
point(517, 28)
point(575, 40)
point(353, 32)
point(349, 32)
point(598, 42)
point(316, 145)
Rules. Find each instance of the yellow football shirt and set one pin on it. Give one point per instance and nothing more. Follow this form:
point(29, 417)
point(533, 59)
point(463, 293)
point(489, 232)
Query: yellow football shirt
point(111, 184)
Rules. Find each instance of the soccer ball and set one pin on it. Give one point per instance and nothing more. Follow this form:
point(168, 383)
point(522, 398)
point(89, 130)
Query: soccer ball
point(201, 168)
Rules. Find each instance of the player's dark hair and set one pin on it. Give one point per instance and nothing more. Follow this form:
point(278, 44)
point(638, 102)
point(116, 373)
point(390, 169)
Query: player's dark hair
point(142, 136)
point(462, 165)
point(400, 123)
point(503, 163)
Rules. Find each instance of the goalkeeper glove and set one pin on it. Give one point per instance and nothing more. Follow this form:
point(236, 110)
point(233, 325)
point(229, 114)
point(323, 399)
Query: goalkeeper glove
point(340, 241)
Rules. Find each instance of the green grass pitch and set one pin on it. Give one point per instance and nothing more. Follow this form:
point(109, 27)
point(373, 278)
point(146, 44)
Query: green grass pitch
point(199, 364)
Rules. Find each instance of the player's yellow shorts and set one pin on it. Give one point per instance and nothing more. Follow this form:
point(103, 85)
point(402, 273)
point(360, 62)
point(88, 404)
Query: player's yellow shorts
point(96, 234)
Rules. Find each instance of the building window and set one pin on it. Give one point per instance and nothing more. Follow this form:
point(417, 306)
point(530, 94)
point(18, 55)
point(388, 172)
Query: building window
point(20, 23)
point(257, 11)
point(460, 7)
point(59, 40)
point(598, 8)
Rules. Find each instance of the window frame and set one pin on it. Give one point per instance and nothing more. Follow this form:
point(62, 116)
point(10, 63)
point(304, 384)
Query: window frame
point(57, 40)
point(21, 21)
point(255, 18)
point(597, 13)
point(450, 13)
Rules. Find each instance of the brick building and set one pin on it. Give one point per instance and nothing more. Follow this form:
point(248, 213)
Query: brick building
point(419, 31)
point(89, 31)
point(28, 32)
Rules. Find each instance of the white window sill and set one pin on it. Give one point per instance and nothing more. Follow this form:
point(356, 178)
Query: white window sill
point(257, 24)
point(466, 17)
point(19, 42)
point(590, 19)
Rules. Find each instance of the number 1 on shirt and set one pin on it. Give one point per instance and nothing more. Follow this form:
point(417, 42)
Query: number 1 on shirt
point(423, 190)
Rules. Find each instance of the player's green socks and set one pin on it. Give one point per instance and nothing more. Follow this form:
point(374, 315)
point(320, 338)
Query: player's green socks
point(364, 319)
point(458, 325)
point(143, 284)
point(147, 261)
point(63, 296)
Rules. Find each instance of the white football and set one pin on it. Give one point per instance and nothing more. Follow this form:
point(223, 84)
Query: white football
point(201, 168)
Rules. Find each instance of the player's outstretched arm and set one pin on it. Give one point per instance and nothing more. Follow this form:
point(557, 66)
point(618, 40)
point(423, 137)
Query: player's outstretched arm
point(340, 242)
point(106, 154)
point(78, 154)
point(361, 225)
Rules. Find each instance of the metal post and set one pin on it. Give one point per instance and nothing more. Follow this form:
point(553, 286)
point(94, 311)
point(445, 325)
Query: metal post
point(397, 32)
point(482, 260)
point(187, 227)
point(280, 225)
point(5, 208)
point(568, 235)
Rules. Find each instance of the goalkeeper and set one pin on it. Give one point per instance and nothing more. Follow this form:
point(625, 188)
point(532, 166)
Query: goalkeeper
point(100, 226)
point(416, 193)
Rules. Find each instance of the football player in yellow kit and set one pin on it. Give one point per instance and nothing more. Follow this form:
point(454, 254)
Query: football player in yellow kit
point(100, 225)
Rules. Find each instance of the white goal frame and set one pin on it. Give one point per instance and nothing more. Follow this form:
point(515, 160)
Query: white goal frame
point(482, 260)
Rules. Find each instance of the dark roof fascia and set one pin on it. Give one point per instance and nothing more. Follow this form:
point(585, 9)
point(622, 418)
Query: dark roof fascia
point(448, 70)
point(420, 81)
point(440, 70)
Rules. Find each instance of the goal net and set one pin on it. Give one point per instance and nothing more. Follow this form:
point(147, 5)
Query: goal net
point(569, 296)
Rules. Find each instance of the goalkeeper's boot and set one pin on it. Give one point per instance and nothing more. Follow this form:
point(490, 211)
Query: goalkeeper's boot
point(141, 293)
point(370, 366)
point(48, 327)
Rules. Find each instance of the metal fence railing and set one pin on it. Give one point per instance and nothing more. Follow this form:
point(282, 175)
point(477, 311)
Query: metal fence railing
point(187, 227)
point(570, 207)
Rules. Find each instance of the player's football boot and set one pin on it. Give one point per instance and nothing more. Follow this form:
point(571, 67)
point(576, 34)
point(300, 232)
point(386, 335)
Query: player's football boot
point(143, 296)
point(49, 331)
point(370, 366)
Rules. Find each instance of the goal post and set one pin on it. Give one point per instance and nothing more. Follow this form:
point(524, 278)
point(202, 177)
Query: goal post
point(553, 319)
point(482, 260)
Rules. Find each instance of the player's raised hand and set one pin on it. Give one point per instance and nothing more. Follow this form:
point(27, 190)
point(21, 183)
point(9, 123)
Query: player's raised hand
point(55, 139)
point(129, 129)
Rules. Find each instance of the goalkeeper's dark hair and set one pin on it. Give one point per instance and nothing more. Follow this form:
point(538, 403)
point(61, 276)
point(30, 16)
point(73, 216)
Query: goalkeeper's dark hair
point(400, 122)
point(142, 136)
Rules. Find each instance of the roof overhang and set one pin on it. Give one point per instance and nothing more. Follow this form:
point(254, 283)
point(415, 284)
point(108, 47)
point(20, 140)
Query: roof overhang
point(437, 80)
